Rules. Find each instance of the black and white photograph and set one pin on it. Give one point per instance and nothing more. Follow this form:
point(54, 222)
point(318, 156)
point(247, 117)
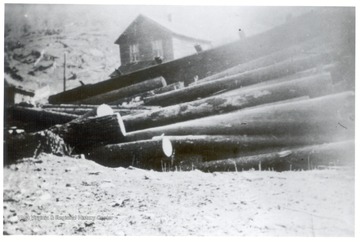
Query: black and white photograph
point(179, 120)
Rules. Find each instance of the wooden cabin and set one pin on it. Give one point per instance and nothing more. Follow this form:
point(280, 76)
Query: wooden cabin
point(146, 42)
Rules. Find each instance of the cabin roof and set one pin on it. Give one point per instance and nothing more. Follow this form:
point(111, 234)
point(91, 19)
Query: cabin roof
point(178, 29)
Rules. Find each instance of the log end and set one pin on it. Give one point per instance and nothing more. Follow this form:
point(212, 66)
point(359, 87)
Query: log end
point(104, 110)
point(167, 146)
point(163, 81)
point(121, 124)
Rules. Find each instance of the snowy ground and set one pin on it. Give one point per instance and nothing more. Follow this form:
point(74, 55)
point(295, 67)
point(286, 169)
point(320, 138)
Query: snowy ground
point(58, 195)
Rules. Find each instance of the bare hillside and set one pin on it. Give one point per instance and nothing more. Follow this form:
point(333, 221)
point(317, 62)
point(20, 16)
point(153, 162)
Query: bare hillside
point(35, 46)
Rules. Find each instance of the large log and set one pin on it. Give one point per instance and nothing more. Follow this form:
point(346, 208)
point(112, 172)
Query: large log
point(141, 96)
point(281, 69)
point(38, 119)
point(101, 110)
point(216, 147)
point(89, 106)
point(144, 154)
point(84, 134)
point(82, 109)
point(89, 111)
point(312, 86)
point(114, 95)
point(331, 114)
point(308, 157)
point(78, 135)
point(35, 119)
point(273, 58)
point(320, 69)
point(76, 111)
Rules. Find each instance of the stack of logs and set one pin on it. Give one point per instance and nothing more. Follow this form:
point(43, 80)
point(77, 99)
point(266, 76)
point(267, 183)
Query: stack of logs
point(288, 110)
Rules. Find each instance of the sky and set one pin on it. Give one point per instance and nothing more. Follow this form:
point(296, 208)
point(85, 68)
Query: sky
point(216, 23)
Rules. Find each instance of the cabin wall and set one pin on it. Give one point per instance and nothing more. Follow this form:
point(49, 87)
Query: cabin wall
point(143, 33)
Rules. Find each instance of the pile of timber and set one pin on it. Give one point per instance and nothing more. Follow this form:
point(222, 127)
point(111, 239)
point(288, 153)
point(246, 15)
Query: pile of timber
point(78, 134)
point(287, 110)
point(283, 111)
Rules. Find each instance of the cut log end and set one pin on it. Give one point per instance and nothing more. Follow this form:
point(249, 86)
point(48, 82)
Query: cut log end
point(104, 110)
point(121, 124)
point(167, 146)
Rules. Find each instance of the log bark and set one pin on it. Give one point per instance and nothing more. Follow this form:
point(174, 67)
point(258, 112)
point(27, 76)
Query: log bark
point(281, 69)
point(313, 86)
point(303, 158)
point(99, 111)
point(331, 114)
point(143, 154)
point(37, 118)
point(273, 58)
point(85, 134)
point(32, 144)
point(80, 110)
point(78, 135)
point(318, 70)
point(75, 111)
point(114, 95)
point(139, 97)
point(43, 119)
point(216, 147)
point(89, 106)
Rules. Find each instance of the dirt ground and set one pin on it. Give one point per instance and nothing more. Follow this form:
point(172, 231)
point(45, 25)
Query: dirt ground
point(60, 195)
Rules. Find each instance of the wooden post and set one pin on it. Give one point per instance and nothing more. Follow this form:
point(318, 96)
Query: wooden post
point(64, 71)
